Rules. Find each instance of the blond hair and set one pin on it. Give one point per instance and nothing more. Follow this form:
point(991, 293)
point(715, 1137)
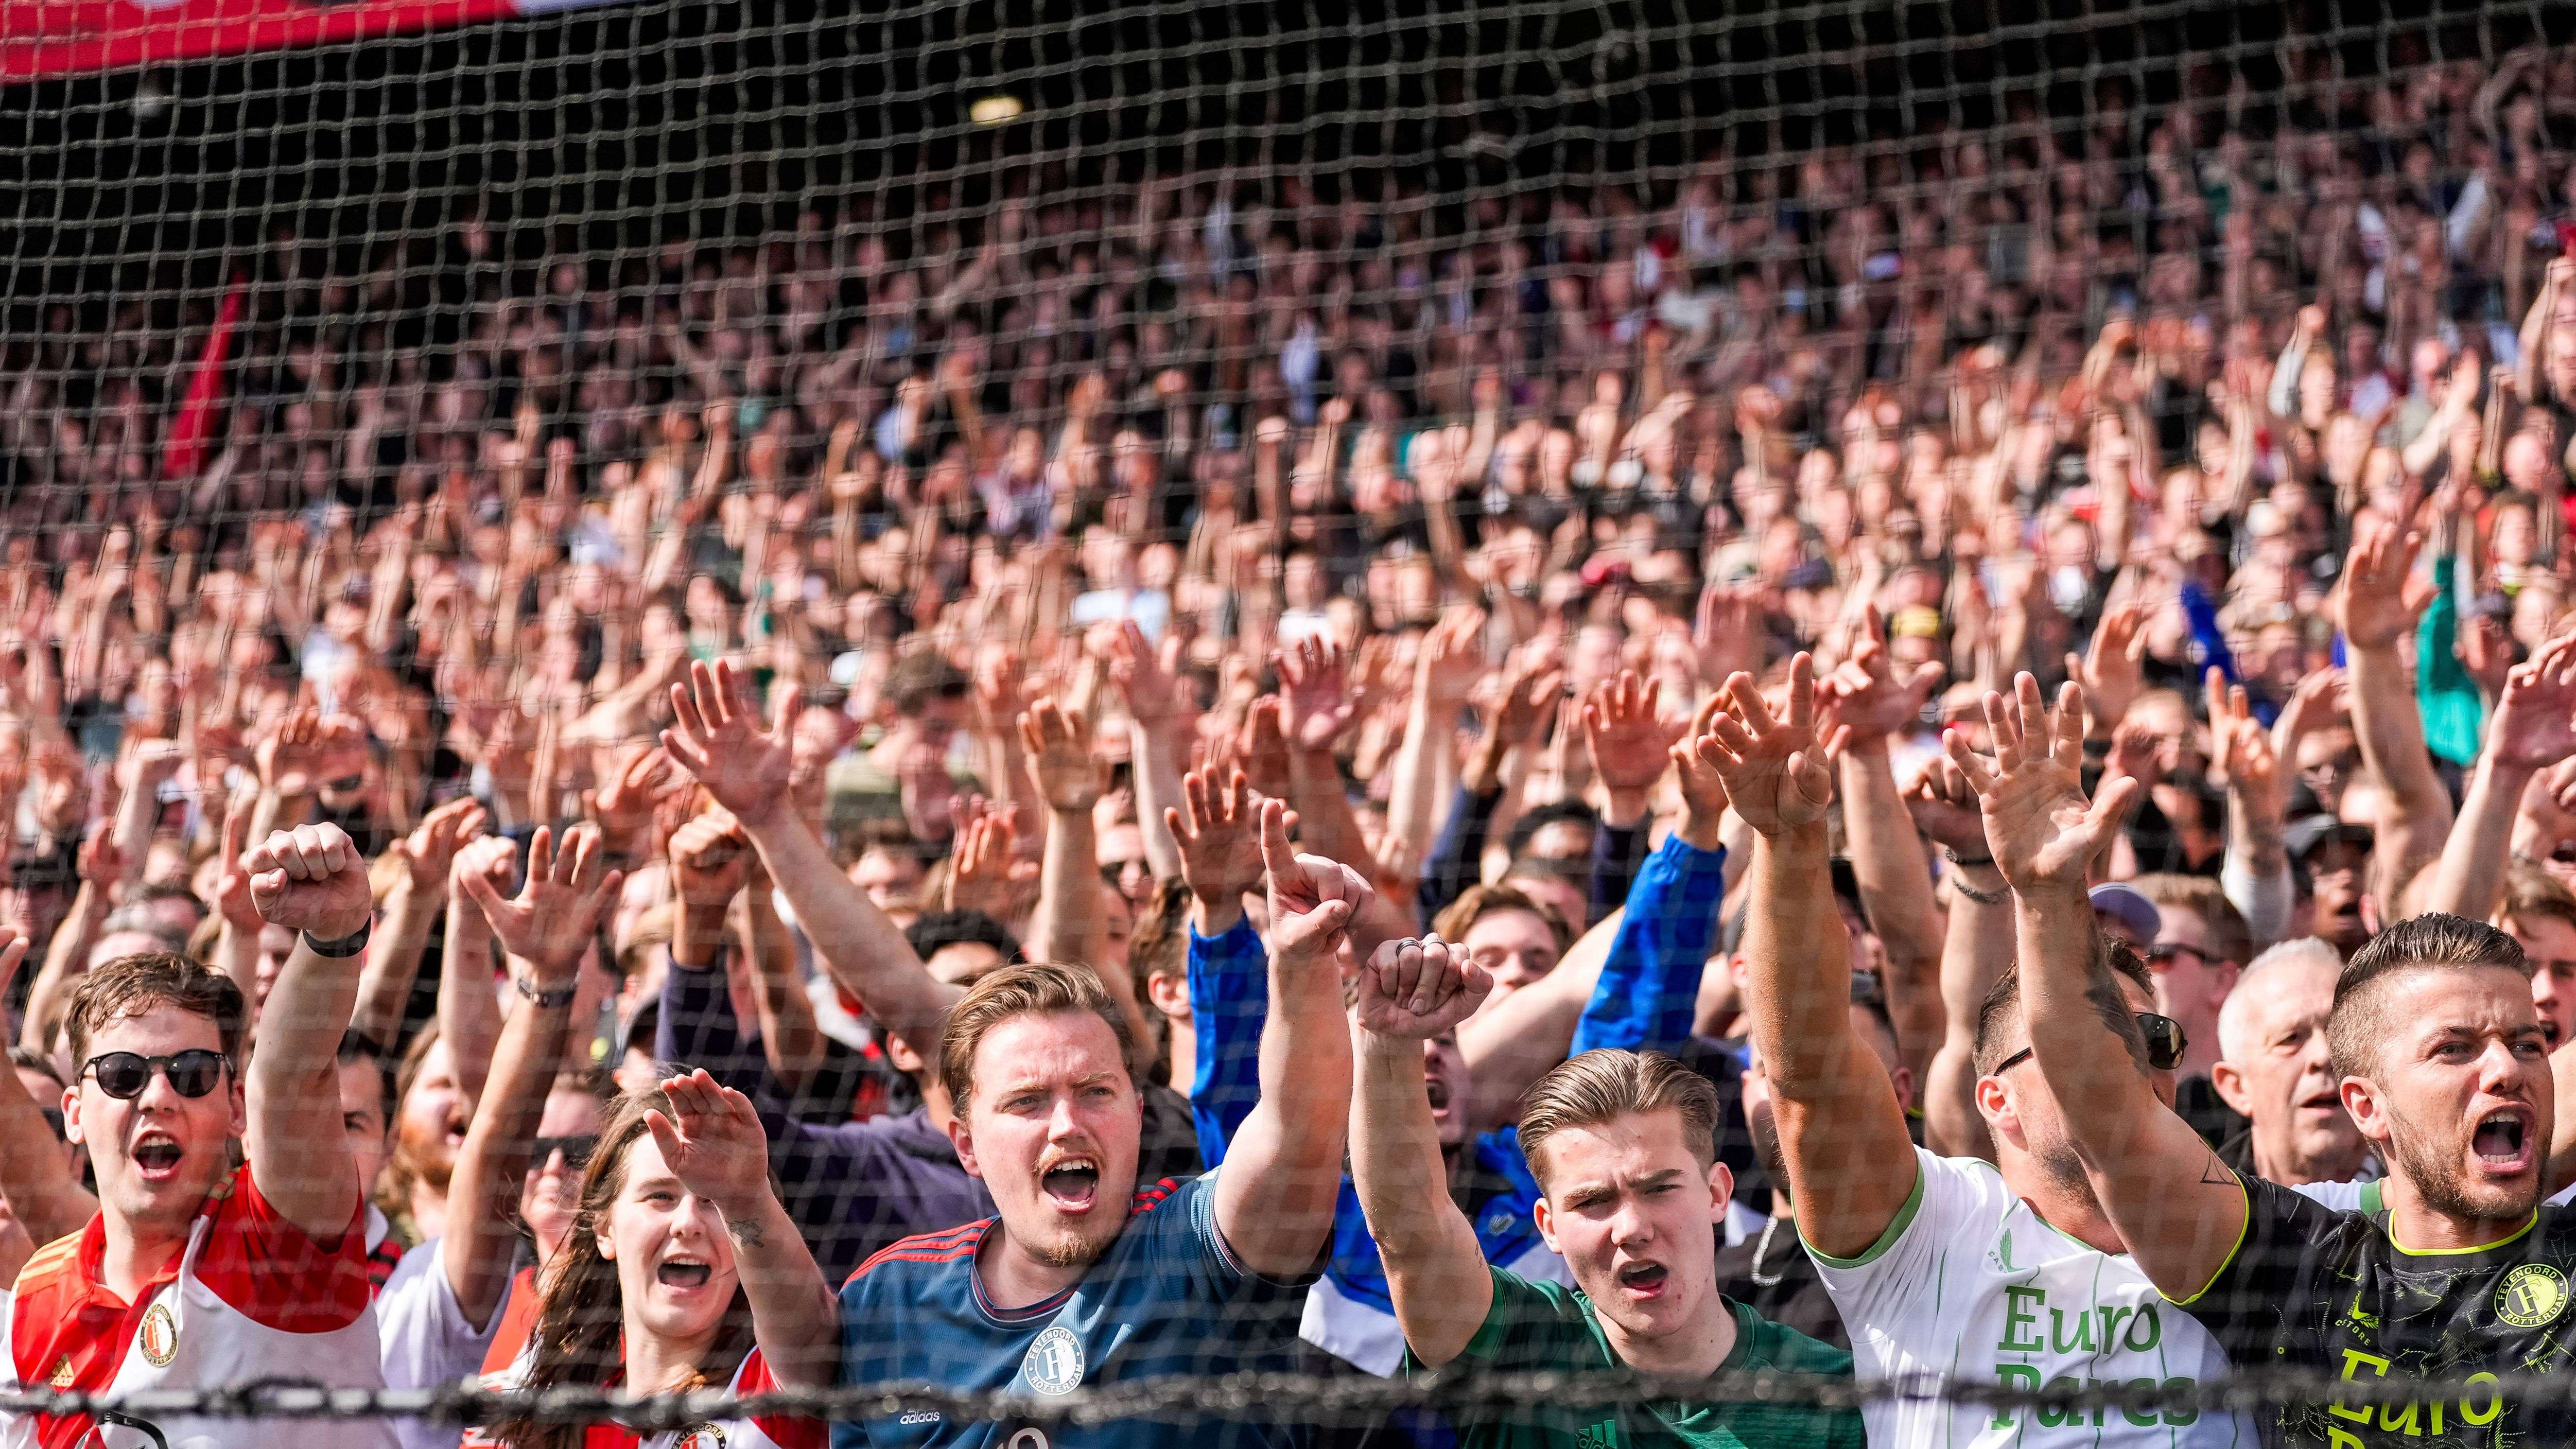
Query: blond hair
point(1041, 988)
point(1605, 1084)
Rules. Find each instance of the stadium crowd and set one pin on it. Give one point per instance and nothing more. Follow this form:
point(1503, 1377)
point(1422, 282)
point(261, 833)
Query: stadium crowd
point(1952, 761)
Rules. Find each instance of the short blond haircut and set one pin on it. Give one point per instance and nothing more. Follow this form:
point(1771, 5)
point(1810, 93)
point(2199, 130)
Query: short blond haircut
point(1606, 1084)
point(1479, 901)
point(1026, 988)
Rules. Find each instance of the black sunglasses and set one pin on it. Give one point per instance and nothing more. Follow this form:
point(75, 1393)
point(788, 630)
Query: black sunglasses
point(124, 1075)
point(2164, 1036)
point(576, 1150)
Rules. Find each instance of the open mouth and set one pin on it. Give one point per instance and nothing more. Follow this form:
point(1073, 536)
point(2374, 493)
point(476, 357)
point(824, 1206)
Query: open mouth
point(1072, 1185)
point(1439, 1097)
point(2320, 1102)
point(1646, 1280)
point(2501, 1139)
point(157, 1156)
point(683, 1273)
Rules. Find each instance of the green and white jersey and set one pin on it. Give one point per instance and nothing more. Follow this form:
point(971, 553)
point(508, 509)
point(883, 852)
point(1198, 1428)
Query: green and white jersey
point(1969, 1283)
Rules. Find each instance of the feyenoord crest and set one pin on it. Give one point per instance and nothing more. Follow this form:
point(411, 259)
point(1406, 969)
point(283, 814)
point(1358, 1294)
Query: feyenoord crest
point(1054, 1363)
point(2532, 1295)
point(705, 1436)
point(158, 1337)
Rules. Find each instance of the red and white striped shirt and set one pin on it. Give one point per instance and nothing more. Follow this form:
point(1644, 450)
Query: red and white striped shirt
point(250, 1297)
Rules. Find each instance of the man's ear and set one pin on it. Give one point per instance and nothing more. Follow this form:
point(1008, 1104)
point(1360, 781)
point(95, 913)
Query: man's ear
point(1170, 995)
point(1721, 1190)
point(2231, 1087)
point(964, 1141)
point(1546, 1220)
point(901, 1056)
point(1995, 1104)
point(2361, 1099)
point(238, 1100)
point(72, 1115)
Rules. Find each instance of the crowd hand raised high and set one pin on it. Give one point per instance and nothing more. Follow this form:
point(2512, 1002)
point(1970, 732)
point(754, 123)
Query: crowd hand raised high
point(1774, 768)
point(551, 920)
point(1415, 990)
point(2043, 832)
point(310, 879)
point(1312, 899)
point(716, 734)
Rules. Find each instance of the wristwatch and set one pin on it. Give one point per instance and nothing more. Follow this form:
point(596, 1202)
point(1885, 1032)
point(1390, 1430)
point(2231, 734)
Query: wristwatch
point(546, 998)
point(346, 946)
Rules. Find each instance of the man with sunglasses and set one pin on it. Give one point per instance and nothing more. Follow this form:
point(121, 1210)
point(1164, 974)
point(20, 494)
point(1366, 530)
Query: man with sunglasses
point(1939, 1266)
point(2200, 945)
point(193, 1275)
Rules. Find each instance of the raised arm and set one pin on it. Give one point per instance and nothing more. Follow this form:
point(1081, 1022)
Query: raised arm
point(716, 735)
point(1842, 1134)
point(1887, 856)
point(2374, 612)
point(1276, 1195)
point(545, 930)
point(469, 1006)
point(1410, 993)
point(1647, 994)
point(418, 897)
point(1071, 923)
point(715, 1145)
point(2179, 1209)
point(1629, 744)
point(2534, 727)
point(1451, 658)
point(99, 864)
point(1315, 706)
point(800, 1057)
point(36, 1175)
point(2255, 874)
point(1976, 947)
point(313, 881)
point(1220, 844)
point(1158, 741)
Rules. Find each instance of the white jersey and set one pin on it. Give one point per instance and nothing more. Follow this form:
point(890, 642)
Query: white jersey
point(1969, 1283)
point(426, 1339)
point(251, 1297)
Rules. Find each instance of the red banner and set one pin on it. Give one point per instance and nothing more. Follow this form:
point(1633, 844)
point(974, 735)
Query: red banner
point(196, 421)
point(60, 37)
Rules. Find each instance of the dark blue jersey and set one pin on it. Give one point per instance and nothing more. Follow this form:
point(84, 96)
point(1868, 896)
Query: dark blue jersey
point(1169, 1298)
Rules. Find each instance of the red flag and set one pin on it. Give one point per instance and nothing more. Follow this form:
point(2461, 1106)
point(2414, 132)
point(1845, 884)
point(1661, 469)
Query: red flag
point(186, 445)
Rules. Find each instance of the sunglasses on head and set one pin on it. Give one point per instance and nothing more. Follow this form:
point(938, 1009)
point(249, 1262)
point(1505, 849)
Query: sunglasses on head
point(124, 1075)
point(2164, 1037)
point(576, 1150)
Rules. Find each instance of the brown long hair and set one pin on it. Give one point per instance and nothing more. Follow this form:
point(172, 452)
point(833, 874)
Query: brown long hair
point(580, 1334)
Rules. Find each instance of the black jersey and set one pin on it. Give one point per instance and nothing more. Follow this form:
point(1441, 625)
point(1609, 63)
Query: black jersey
point(2310, 1287)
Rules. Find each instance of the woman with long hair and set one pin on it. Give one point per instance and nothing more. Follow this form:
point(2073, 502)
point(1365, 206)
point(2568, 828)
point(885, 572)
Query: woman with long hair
point(681, 1272)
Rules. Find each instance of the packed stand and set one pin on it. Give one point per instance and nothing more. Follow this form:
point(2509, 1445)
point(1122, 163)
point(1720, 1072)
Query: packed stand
point(1956, 763)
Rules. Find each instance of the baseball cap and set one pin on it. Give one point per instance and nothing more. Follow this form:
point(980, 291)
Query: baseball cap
point(2129, 906)
point(2310, 832)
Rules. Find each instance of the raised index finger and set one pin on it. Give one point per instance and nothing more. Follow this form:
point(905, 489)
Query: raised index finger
point(1275, 854)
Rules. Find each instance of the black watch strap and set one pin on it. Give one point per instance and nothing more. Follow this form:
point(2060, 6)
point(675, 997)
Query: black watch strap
point(545, 997)
point(349, 945)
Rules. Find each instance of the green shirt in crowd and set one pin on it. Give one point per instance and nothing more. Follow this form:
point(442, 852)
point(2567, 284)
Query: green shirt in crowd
point(1542, 1327)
